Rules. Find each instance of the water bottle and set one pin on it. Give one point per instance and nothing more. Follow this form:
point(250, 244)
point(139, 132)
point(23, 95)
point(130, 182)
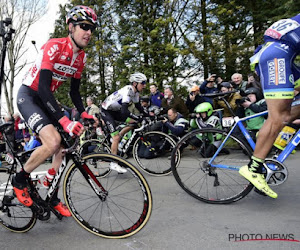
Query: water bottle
point(284, 137)
point(46, 180)
point(121, 144)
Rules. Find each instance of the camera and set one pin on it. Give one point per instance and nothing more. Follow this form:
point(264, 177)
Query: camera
point(242, 100)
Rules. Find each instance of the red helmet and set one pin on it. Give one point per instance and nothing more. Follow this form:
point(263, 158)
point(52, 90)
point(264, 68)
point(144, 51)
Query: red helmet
point(82, 13)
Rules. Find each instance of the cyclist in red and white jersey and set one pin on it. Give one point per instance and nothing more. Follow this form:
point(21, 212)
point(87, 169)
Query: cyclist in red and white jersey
point(58, 60)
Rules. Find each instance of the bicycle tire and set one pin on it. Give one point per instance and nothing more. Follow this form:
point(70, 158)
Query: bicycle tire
point(201, 180)
point(13, 215)
point(127, 207)
point(159, 165)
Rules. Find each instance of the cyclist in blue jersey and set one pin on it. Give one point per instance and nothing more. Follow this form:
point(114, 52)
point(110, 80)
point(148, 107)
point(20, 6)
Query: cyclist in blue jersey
point(276, 64)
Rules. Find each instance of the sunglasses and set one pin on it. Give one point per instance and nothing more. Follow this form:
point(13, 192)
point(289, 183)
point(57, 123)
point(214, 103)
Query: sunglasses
point(86, 26)
point(143, 82)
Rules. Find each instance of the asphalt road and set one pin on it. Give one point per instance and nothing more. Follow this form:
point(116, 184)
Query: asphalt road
point(179, 221)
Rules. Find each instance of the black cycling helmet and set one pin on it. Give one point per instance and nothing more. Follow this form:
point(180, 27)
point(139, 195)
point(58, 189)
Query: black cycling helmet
point(255, 91)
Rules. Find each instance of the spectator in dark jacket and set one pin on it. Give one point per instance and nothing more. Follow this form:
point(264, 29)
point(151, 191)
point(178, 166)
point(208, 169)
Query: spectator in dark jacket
point(209, 86)
point(155, 96)
point(172, 101)
point(175, 124)
point(194, 98)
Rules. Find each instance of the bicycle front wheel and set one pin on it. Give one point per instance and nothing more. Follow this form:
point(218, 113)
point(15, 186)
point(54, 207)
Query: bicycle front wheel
point(212, 181)
point(152, 152)
point(13, 215)
point(119, 208)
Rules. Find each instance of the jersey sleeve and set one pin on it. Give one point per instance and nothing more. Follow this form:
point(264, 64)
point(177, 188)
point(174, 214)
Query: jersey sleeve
point(127, 95)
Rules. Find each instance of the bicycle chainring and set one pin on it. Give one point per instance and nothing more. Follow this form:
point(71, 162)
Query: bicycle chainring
point(279, 175)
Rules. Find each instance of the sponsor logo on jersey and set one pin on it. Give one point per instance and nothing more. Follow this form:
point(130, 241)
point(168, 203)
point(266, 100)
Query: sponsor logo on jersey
point(66, 69)
point(34, 71)
point(59, 77)
point(21, 100)
point(276, 71)
point(52, 51)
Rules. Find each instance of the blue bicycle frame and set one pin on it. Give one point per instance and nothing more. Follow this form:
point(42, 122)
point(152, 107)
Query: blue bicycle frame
point(239, 122)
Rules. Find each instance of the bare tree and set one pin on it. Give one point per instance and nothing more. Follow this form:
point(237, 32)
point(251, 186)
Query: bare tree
point(24, 14)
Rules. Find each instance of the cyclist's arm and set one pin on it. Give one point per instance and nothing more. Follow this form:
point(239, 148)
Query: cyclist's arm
point(46, 94)
point(75, 95)
point(126, 113)
point(142, 110)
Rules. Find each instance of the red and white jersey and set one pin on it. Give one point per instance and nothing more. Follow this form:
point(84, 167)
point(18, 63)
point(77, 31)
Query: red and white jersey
point(56, 55)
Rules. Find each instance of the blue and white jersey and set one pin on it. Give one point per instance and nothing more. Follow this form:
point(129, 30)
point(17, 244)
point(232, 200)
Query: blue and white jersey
point(286, 30)
point(124, 95)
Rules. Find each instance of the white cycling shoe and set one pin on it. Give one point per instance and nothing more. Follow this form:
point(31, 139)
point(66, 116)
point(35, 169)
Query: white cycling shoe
point(117, 167)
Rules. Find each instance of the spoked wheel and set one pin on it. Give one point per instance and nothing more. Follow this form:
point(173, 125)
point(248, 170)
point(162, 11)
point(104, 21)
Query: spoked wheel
point(215, 182)
point(13, 215)
point(96, 146)
point(152, 152)
point(118, 207)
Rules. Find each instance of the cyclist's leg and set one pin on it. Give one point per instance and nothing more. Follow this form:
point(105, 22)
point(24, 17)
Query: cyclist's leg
point(109, 118)
point(275, 70)
point(55, 202)
point(37, 118)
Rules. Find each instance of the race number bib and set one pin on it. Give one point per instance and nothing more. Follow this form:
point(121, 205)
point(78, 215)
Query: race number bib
point(281, 27)
point(227, 122)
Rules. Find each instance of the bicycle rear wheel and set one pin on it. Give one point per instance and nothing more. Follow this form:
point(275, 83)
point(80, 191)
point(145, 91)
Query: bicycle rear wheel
point(220, 181)
point(158, 161)
point(13, 215)
point(123, 211)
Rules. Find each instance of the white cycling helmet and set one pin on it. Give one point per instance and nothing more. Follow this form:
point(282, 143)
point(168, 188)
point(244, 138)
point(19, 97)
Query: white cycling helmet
point(137, 77)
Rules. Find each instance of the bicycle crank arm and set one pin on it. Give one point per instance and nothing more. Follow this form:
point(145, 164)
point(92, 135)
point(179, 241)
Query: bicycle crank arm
point(277, 172)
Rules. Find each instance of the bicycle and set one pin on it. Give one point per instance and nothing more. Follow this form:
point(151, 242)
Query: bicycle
point(114, 206)
point(161, 144)
point(215, 178)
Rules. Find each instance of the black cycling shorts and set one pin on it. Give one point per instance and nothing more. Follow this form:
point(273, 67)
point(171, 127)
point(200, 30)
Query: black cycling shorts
point(33, 110)
point(110, 117)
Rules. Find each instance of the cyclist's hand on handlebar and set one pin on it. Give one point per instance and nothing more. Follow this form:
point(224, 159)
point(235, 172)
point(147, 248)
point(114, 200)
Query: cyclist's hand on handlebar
point(71, 127)
point(85, 115)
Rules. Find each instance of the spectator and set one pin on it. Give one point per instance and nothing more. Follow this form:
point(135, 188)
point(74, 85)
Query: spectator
point(175, 124)
point(230, 98)
point(205, 118)
point(219, 80)
point(254, 103)
point(19, 126)
point(172, 101)
point(252, 82)
point(209, 86)
point(30, 142)
point(194, 98)
point(145, 102)
point(91, 108)
point(155, 96)
point(238, 83)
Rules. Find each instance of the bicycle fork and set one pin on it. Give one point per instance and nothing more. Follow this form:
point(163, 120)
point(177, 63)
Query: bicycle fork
point(90, 177)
